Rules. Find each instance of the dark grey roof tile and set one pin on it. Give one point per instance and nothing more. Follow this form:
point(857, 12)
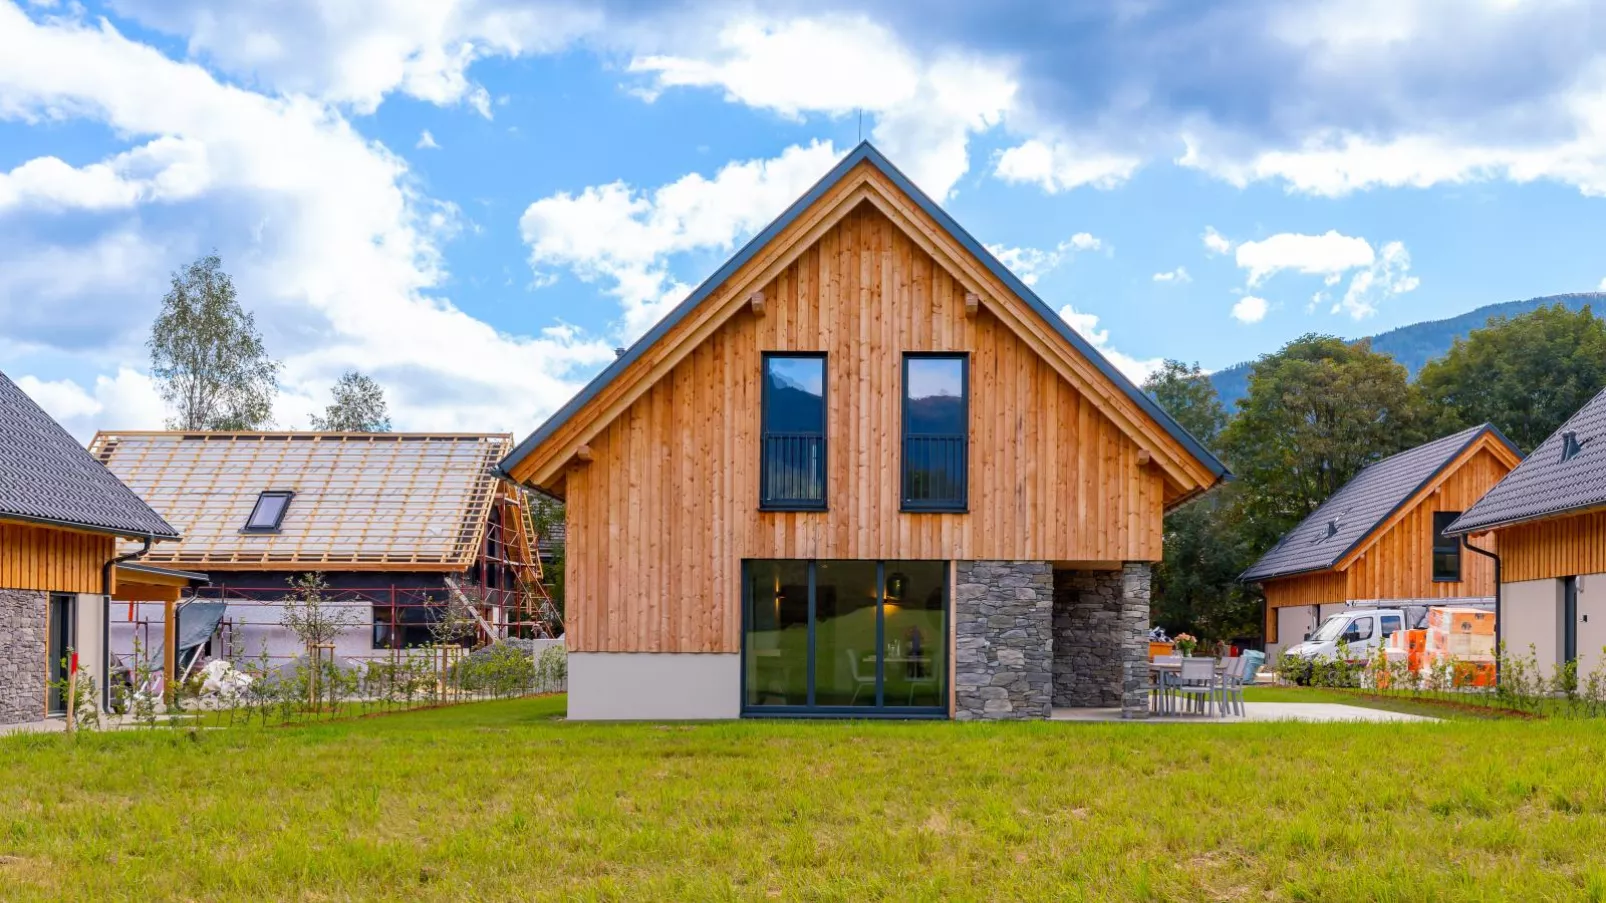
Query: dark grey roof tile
point(1359, 506)
point(1549, 483)
point(45, 475)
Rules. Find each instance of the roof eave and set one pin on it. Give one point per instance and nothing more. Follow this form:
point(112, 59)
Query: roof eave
point(119, 532)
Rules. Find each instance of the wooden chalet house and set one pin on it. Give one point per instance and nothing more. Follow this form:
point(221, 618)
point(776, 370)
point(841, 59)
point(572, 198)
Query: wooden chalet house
point(1547, 522)
point(61, 515)
point(1380, 539)
point(862, 470)
point(396, 523)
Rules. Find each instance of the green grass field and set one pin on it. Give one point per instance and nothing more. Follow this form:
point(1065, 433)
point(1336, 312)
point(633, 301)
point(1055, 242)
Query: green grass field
point(502, 800)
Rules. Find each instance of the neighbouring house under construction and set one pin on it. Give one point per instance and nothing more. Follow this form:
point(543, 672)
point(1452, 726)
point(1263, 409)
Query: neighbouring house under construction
point(397, 525)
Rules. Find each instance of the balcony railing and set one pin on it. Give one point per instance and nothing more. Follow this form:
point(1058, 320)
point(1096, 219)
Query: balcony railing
point(793, 469)
point(934, 474)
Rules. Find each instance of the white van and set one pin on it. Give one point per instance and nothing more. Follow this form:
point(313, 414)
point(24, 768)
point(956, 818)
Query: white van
point(1364, 630)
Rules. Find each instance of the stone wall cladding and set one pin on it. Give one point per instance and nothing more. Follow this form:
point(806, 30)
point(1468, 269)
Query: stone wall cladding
point(1089, 647)
point(1135, 584)
point(1003, 640)
point(22, 655)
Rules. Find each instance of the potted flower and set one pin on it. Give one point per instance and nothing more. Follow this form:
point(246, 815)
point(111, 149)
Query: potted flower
point(1186, 643)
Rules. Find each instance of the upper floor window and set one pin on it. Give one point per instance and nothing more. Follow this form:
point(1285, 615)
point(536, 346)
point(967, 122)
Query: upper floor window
point(1446, 549)
point(268, 513)
point(792, 449)
point(936, 431)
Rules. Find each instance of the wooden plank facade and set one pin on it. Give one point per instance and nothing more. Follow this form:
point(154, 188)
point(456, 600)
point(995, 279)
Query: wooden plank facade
point(662, 517)
point(35, 557)
point(1554, 547)
point(1396, 560)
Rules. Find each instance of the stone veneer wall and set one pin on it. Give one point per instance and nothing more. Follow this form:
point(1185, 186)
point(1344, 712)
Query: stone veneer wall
point(1101, 639)
point(1088, 647)
point(22, 655)
point(1003, 640)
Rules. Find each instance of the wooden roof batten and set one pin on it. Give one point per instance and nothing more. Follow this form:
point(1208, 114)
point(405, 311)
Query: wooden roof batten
point(863, 177)
point(364, 501)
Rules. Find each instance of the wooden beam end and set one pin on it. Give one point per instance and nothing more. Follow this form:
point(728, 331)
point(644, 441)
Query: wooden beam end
point(972, 304)
point(582, 455)
point(756, 301)
point(1144, 457)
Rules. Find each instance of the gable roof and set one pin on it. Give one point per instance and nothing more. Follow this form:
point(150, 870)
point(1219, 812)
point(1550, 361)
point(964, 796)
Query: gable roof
point(46, 477)
point(1349, 516)
point(383, 501)
point(867, 154)
point(1545, 485)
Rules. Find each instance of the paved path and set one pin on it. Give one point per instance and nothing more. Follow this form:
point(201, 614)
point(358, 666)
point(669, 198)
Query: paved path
point(1255, 711)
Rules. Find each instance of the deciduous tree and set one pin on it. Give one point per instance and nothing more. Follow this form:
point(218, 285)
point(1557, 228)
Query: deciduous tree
point(358, 407)
point(207, 356)
point(1526, 374)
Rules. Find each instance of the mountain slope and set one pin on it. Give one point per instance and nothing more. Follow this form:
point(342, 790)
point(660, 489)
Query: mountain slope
point(1419, 343)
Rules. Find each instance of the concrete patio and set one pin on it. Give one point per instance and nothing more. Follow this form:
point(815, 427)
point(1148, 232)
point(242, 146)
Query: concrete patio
point(1253, 711)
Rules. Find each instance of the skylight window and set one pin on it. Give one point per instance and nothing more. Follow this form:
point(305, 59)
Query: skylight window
point(268, 512)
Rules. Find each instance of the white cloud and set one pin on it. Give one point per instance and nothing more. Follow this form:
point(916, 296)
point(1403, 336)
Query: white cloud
point(1389, 275)
point(356, 54)
point(925, 107)
point(1250, 309)
point(624, 237)
point(325, 232)
point(1057, 166)
point(1136, 369)
point(1602, 286)
point(1327, 254)
point(1214, 242)
point(1178, 275)
point(128, 400)
point(426, 141)
point(1031, 264)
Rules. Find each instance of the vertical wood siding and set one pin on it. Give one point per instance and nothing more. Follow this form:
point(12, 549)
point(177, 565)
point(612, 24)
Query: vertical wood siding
point(1400, 564)
point(661, 519)
point(43, 558)
point(1558, 547)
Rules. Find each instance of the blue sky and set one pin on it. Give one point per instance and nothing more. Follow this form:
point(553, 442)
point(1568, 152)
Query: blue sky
point(475, 201)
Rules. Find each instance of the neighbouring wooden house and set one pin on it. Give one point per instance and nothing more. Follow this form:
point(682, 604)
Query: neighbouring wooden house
point(396, 524)
point(1379, 540)
point(61, 515)
point(1547, 522)
point(862, 470)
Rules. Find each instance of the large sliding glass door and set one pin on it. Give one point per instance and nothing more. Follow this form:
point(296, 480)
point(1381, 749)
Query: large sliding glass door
point(850, 638)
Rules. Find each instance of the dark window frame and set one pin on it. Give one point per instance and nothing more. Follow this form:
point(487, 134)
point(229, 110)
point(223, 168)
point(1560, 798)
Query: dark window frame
point(765, 501)
point(961, 505)
point(250, 519)
point(882, 709)
point(1445, 545)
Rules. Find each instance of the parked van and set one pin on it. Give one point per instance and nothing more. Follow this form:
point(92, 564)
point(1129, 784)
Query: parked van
point(1364, 630)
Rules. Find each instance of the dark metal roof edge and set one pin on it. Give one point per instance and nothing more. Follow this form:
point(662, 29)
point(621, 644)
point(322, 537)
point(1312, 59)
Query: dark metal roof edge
point(121, 532)
point(1456, 528)
point(1478, 433)
point(166, 572)
point(866, 151)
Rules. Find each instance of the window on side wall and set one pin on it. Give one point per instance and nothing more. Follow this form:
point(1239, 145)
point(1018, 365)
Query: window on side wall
point(936, 432)
point(792, 449)
point(1446, 549)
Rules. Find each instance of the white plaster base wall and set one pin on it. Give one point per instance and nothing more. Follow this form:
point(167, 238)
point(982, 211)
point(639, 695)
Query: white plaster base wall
point(1591, 624)
point(654, 686)
point(1530, 616)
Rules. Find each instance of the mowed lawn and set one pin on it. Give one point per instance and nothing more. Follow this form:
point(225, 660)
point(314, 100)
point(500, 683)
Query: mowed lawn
point(504, 801)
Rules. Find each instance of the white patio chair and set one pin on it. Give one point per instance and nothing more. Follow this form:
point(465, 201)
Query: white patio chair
point(860, 679)
point(1199, 683)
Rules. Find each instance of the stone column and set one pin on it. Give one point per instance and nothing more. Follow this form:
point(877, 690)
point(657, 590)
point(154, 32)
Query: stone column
point(1135, 639)
point(22, 655)
point(1089, 639)
point(1003, 640)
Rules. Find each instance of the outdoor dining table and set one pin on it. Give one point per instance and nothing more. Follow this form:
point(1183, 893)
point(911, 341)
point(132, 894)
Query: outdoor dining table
point(1176, 667)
